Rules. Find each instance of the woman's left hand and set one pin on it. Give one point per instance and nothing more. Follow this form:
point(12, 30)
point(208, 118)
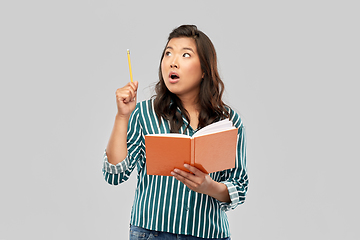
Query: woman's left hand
point(201, 182)
point(196, 180)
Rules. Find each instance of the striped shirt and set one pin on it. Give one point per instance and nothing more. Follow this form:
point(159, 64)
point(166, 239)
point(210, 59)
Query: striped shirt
point(162, 203)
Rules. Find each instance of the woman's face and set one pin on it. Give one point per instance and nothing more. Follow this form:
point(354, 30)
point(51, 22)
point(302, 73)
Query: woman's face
point(181, 68)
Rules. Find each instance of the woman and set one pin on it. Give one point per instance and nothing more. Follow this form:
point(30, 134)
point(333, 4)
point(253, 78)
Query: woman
point(188, 97)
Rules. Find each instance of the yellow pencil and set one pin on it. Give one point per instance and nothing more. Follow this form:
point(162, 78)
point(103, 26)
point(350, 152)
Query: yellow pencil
point(128, 54)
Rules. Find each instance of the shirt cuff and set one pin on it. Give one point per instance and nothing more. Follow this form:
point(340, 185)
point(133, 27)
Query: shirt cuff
point(234, 197)
point(115, 169)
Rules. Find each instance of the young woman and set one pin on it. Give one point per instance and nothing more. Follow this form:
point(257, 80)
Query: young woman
point(188, 98)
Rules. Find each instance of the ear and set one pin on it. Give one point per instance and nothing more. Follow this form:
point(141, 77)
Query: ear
point(202, 76)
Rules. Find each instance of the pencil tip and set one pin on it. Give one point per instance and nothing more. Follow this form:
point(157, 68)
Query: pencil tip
point(128, 50)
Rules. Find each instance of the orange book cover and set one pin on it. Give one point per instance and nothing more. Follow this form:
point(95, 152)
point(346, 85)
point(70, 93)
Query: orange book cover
point(211, 149)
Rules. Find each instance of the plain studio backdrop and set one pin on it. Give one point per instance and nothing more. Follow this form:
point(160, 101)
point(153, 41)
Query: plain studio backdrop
point(290, 68)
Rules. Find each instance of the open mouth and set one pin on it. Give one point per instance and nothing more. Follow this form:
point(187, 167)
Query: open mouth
point(174, 75)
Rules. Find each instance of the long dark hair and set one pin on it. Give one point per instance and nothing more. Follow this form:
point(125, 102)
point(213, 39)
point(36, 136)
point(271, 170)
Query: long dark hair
point(212, 108)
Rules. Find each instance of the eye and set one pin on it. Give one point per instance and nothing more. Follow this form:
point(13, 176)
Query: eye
point(167, 53)
point(186, 55)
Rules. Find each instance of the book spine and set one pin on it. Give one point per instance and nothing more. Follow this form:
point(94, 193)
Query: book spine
point(192, 151)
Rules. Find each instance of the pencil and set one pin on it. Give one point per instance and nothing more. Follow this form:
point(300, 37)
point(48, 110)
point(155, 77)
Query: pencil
point(128, 54)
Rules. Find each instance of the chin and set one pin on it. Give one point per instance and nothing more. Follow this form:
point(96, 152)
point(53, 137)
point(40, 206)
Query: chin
point(173, 91)
point(171, 87)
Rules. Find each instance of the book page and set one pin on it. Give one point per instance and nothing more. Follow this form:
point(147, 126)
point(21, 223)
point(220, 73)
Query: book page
point(177, 135)
point(216, 151)
point(215, 127)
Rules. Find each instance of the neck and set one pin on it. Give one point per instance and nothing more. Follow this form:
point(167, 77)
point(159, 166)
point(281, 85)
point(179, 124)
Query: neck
point(191, 104)
point(192, 107)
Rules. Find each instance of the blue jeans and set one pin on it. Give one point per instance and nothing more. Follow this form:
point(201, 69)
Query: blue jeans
point(138, 233)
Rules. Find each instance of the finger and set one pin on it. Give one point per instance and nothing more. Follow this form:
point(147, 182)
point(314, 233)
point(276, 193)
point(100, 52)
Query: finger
point(125, 94)
point(189, 183)
point(178, 176)
point(194, 170)
point(183, 174)
point(134, 85)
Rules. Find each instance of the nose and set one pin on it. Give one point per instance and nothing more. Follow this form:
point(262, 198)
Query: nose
point(174, 63)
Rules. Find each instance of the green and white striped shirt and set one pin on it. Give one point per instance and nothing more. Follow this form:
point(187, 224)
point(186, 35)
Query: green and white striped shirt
point(162, 203)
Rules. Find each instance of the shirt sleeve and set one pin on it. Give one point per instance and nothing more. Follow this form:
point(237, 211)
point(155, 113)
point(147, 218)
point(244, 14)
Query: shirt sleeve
point(236, 179)
point(116, 174)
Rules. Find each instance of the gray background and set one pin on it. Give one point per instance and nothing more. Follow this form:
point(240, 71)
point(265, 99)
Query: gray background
point(290, 68)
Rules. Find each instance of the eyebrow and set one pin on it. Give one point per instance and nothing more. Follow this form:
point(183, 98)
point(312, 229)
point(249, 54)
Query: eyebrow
point(185, 48)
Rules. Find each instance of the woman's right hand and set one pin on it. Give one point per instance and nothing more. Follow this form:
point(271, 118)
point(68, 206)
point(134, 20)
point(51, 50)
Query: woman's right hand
point(126, 99)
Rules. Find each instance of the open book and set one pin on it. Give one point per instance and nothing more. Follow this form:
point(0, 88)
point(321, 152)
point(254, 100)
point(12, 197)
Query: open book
point(211, 149)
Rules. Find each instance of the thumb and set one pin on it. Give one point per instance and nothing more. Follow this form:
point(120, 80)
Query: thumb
point(136, 83)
